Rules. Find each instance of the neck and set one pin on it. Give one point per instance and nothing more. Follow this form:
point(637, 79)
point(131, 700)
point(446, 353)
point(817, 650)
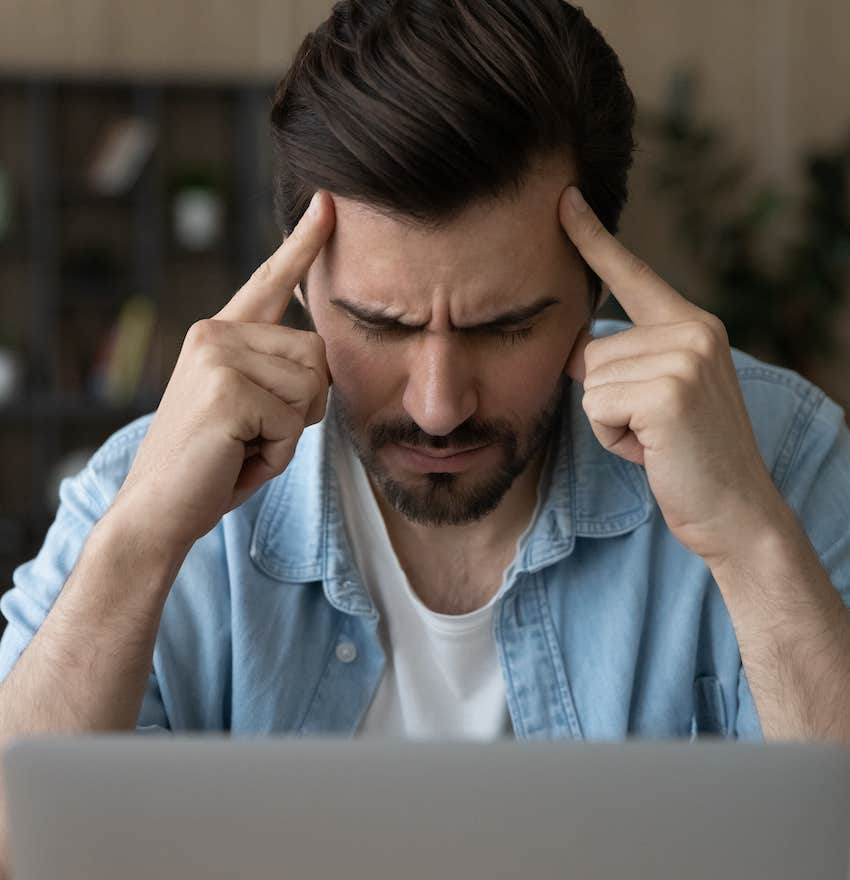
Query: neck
point(469, 553)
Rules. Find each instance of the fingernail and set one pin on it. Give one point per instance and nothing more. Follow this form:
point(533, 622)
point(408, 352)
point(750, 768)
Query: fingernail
point(577, 199)
point(314, 204)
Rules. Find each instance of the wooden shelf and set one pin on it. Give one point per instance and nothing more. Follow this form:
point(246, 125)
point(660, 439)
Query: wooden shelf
point(73, 195)
point(61, 319)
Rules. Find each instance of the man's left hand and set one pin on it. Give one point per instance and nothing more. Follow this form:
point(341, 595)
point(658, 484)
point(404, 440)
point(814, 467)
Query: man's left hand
point(665, 394)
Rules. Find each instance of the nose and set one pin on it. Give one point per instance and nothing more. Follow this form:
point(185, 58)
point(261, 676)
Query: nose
point(440, 392)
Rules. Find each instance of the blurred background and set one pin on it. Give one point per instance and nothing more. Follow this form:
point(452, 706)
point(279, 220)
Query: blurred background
point(135, 195)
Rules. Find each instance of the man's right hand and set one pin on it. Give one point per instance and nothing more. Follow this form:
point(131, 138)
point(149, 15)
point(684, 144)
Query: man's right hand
point(243, 390)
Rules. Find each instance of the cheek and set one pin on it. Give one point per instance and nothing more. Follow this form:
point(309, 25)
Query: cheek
point(523, 379)
point(363, 379)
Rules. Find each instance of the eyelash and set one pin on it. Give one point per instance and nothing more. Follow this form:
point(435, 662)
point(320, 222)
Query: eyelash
point(378, 334)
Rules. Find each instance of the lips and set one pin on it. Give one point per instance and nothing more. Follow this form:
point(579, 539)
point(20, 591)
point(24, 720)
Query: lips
point(440, 460)
point(439, 453)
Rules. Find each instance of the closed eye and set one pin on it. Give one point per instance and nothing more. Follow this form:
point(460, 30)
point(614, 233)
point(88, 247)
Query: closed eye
point(513, 337)
point(380, 332)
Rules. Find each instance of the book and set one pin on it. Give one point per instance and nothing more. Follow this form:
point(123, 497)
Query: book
point(121, 155)
point(121, 365)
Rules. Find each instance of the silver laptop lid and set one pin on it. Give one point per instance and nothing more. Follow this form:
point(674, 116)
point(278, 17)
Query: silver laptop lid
point(131, 807)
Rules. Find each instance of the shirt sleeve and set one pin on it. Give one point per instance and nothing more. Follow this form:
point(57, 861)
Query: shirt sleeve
point(816, 485)
point(37, 583)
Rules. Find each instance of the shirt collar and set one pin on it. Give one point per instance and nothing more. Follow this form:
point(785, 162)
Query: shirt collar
point(592, 492)
point(299, 534)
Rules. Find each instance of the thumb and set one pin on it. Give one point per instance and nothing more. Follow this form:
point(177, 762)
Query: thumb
point(575, 367)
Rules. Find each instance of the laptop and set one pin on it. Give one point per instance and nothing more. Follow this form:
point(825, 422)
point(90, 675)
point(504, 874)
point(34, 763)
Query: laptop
point(126, 806)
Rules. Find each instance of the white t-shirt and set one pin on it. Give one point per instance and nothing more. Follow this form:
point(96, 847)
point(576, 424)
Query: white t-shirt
point(442, 678)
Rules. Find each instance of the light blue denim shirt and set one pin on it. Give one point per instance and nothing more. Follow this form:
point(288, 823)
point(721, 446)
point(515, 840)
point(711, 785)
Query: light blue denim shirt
point(607, 627)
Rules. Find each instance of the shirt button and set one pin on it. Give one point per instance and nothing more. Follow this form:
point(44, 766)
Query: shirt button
point(346, 652)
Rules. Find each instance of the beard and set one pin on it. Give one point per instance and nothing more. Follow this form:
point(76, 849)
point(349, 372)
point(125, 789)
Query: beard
point(443, 499)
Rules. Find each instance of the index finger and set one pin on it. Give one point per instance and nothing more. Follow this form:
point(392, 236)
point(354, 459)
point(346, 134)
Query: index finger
point(645, 296)
point(266, 294)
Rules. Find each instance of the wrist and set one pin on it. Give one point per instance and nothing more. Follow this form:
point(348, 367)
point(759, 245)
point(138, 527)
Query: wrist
point(768, 548)
point(150, 532)
point(137, 550)
point(778, 589)
point(755, 528)
point(762, 538)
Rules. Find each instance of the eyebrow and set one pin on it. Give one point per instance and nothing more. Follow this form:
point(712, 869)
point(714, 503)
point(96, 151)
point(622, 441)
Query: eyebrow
point(379, 316)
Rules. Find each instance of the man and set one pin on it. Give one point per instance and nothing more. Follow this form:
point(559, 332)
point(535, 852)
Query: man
point(494, 523)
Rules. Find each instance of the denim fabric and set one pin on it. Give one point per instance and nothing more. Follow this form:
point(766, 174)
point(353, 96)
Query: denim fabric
point(608, 628)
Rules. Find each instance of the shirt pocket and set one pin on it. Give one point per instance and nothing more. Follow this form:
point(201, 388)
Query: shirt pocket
point(709, 718)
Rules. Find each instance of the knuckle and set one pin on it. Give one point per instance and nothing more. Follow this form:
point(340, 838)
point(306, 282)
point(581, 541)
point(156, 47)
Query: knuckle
point(690, 366)
point(303, 341)
point(591, 402)
point(319, 411)
point(296, 421)
point(315, 386)
point(592, 354)
point(263, 273)
point(201, 332)
point(206, 357)
point(703, 338)
point(310, 392)
point(318, 347)
point(717, 327)
point(672, 395)
point(221, 383)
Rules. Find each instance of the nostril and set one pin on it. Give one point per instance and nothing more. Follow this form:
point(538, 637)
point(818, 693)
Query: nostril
point(439, 400)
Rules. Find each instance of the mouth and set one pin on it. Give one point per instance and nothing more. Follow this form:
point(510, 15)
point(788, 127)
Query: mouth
point(440, 453)
point(438, 460)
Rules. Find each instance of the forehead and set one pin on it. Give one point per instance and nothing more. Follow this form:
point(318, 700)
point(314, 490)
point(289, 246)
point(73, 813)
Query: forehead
point(491, 253)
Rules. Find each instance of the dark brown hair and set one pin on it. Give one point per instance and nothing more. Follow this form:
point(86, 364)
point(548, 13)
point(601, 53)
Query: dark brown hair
point(420, 107)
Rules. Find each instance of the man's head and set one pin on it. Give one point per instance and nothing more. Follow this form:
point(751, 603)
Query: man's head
point(446, 132)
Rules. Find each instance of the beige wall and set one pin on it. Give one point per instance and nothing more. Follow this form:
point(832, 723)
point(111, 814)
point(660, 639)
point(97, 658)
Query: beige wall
point(776, 71)
point(191, 38)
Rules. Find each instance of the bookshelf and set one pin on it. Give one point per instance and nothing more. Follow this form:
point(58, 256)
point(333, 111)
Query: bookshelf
point(72, 257)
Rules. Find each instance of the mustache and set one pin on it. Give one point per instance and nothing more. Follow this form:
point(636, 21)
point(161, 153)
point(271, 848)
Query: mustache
point(471, 433)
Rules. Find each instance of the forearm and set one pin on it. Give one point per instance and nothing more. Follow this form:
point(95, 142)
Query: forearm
point(87, 666)
point(794, 634)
